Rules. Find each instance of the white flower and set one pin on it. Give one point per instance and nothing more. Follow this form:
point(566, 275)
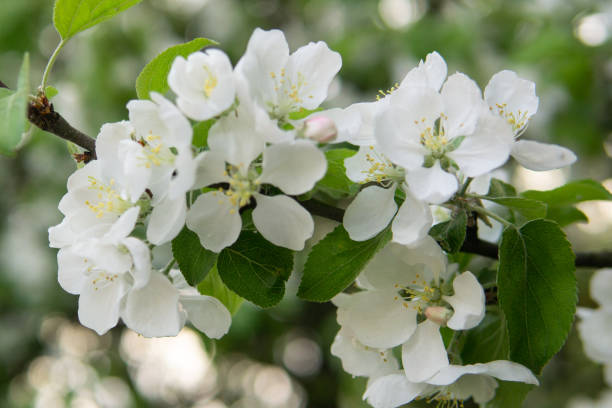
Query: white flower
point(203, 83)
point(103, 271)
point(281, 83)
point(434, 135)
point(449, 387)
point(595, 326)
point(292, 167)
point(152, 153)
point(161, 307)
point(91, 206)
point(515, 100)
point(374, 207)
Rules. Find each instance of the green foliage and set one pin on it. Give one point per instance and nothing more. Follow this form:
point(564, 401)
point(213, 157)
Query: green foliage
point(214, 286)
point(256, 269)
point(561, 200)
point(488, 341)
point(200, 133)
point(13, 106)
point(51, 92)
point(498, 188)
point(537, 290)
point(335, 183)
point(530, 209)
point(451, 234)
point(195, 261)
point(154, 76)
point(335, 262)
point(509, 395)
point(303, 113)
point(70, 17)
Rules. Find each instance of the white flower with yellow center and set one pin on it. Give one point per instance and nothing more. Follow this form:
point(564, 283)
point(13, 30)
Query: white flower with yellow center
point(233, 161)
point(203, 83)
point(152, 155)
point(281, 83)
point(374, 207)
point(91, 206)
point(434, 136)
point(104, 270)
point(514, 99)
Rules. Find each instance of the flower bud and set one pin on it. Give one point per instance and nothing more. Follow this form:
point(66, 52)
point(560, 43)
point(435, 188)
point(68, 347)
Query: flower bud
point(438, 314)
point(320, 128)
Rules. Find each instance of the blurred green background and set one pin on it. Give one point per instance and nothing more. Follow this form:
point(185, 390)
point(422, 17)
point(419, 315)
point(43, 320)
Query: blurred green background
point(278, 358)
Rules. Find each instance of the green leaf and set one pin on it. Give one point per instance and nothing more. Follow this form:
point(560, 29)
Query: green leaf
point(70, 17)
point(335, 183)
point(214, 286)
point(13, 107)
point(571, 193)
point(335, 262)
point(498, 188)
point(5, 92)
point(451, 234)
point(194, 261)
point(256, 269)
point(561, 200)
point(200, 133)
point(509, 395)
point(303, 113)
point(537, 290)
point(154, 76)
point(530, 209)
point(565, 215)
point(51, 91)
point(488, 341)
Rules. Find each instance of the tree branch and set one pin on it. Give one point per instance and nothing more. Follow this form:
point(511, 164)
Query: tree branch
point(42, 114)
point(2, 85)
point(472, 243)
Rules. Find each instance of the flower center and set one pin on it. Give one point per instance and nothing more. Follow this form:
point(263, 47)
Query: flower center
point(443, 398)
point(517, 120)
point(100, 278)
point(242, 185)
point(155, 152)
point(381, 169)
point(289, 92)
point(419, 294)
point(210, 83)
point(108, 200)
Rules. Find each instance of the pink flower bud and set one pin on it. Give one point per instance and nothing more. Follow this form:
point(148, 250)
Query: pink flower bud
point(320, 128)
point(438, 314)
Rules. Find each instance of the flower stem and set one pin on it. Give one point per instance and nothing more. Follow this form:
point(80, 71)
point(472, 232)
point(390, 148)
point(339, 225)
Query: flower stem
point(166, 270)
point(490, 214)
point(49, 66)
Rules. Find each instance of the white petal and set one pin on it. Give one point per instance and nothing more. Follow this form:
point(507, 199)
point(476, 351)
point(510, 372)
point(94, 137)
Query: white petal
point(293, 167)
point(215, 220)
point(462, 105)
point(99, 305)
point(541, 156)
point(430, 73)
point(378, 318)
point(359, 360)
point(184, 174)
point(167, 220)
point(210, 169)
point(424, 354)
point(432, 184)
point(412, 222)
point(71, 271)
point(153, 311)
point(367, 111)
point(282, 221)
point(596, 335)
point(479, 387)
point(468, 302)
point(178, 130)
point(315, 65)
point(347, 121)
point(601, 287)
point(517, 94)
point(234, 138)
point(392, 391)
point(267, 52)
point(357, 166)
point(370, 212)
point(124, 225)
point(502, 369)
point(485, 149)
point(107, 148)
point(208, 315)
point(141, 257)
point(390, 268)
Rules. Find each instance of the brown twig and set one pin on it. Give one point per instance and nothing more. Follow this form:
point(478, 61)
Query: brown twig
point(2, 85)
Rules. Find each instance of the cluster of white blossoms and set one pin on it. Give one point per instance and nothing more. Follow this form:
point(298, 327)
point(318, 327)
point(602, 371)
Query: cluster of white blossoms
point(595, 326)
point(417, 145)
